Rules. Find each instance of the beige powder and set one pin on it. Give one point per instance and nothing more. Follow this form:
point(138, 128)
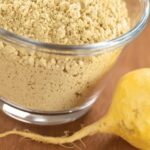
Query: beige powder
point(65, 21)
point(42, 81)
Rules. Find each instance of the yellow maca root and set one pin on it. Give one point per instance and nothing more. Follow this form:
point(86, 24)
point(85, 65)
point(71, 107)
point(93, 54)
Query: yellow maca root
point(128, 116)
point(86, 131)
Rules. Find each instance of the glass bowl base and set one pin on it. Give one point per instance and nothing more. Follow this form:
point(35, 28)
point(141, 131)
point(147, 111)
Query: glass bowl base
point(39, 118)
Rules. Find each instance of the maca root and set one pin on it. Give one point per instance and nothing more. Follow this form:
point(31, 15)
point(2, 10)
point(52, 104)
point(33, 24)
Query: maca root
point(86, 131)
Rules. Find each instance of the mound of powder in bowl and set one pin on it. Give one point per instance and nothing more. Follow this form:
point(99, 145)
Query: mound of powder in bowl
point(43, 81)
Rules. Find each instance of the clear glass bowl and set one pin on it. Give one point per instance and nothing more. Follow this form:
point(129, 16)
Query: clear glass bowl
point(63, 81)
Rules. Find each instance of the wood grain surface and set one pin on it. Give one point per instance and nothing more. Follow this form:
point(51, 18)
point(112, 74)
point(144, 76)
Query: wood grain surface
point(135, 55)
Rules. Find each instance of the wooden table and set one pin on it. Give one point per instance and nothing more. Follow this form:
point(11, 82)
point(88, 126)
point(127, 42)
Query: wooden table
point(135, 55)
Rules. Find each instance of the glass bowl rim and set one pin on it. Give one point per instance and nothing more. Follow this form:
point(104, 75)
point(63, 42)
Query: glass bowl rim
point(90, 48)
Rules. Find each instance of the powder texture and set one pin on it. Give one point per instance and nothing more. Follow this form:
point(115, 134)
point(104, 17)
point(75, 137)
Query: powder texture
point(47, 82)
point(65, 21)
